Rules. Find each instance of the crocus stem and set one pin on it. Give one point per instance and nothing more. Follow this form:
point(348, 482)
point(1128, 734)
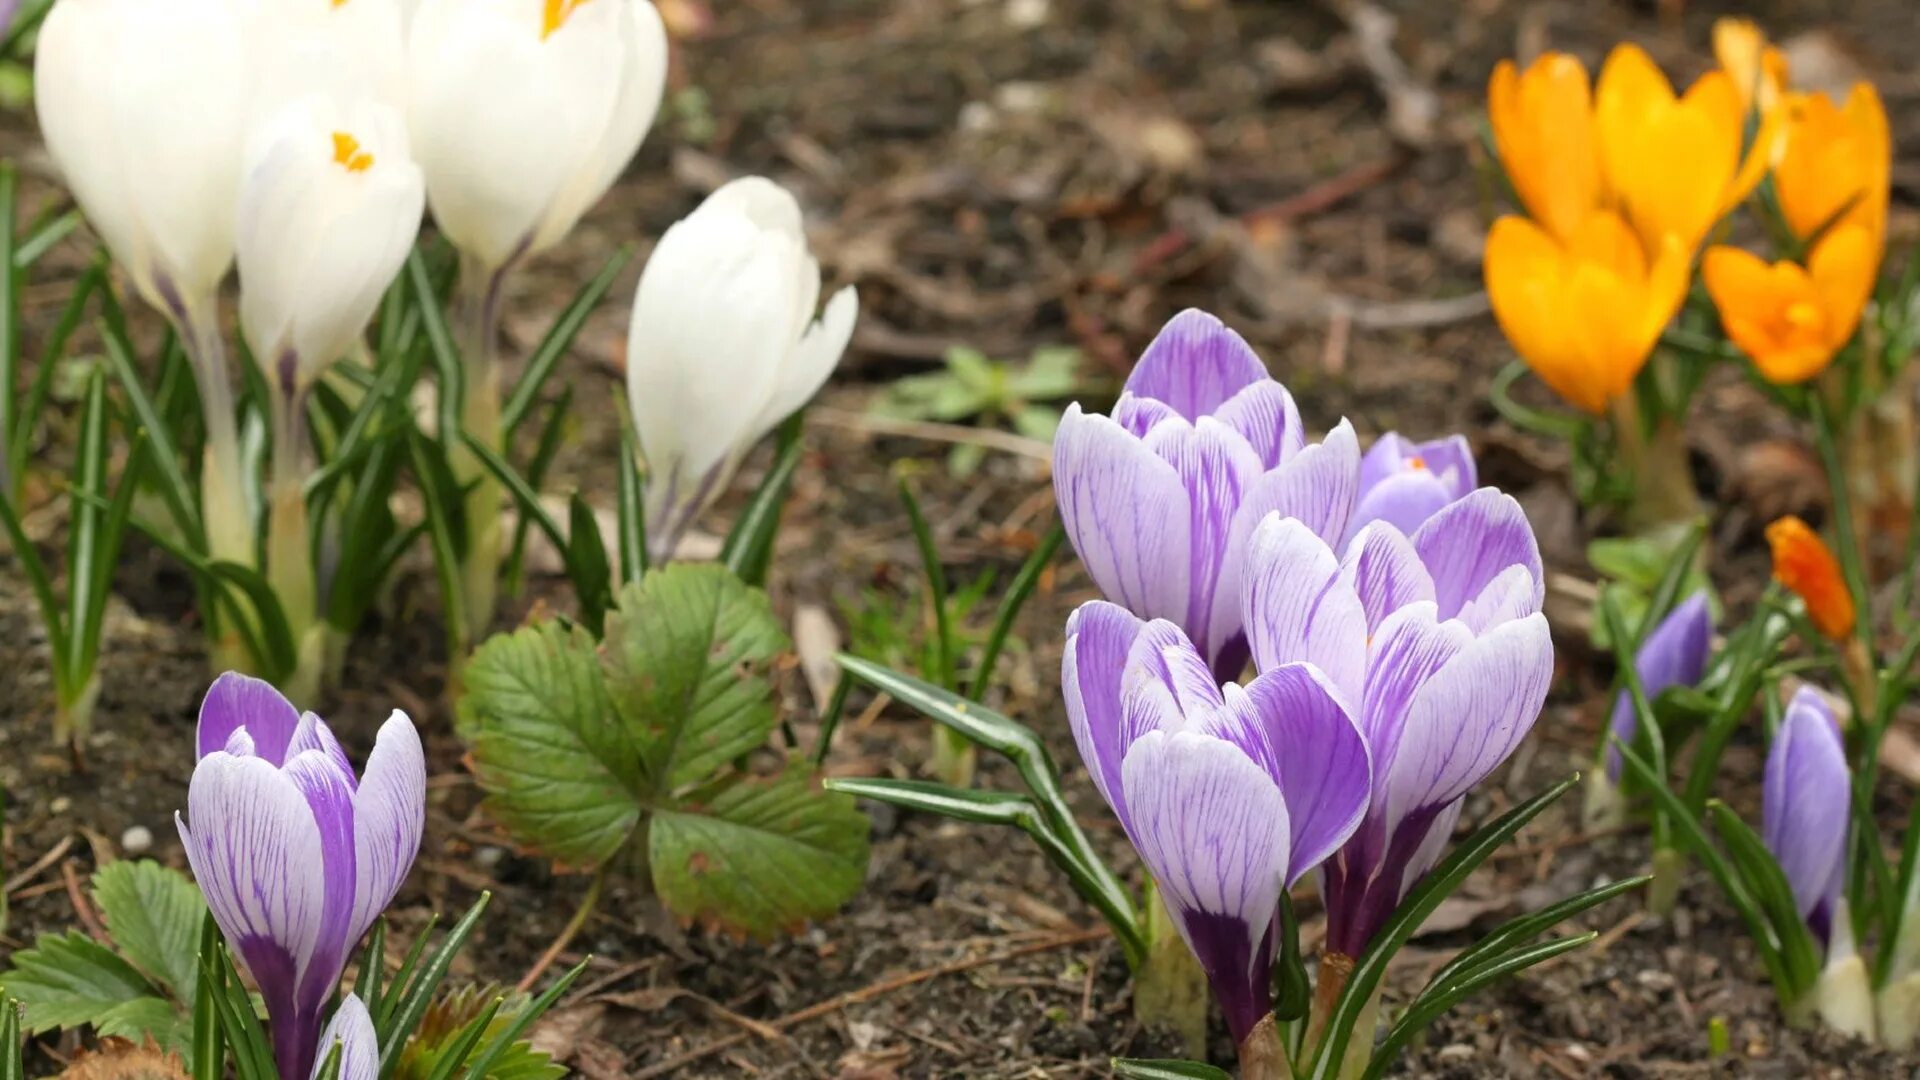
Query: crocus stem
point(1170, 988)
point(1353, 1064)
point(73, 714)
point(290, 544)
point(954, 757)
point(1329, 983)
point(480, 416)
point(224, 517)
point(589, 904)
point(1656, 459)
point(1262, 1055)
point(1663, 892)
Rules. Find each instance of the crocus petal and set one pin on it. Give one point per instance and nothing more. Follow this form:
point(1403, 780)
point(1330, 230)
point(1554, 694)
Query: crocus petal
point(1409, 646)
point(1164, 665)
point(1467, 718)
point(1265, 415)
point(1293, 721)
point(330, 801)
point(1298, 608)
point(352, 1028)
point(314, 734)
point(1213, 828)
point(1195, 364)
point(1805, 800)
point(1432, 846)
point(235, 701)
point(1383, 570)
point(389, 815)
point(1512, 594)
point(1405, 500)
point(1674, 654)
point(1471, 542)
point(1216, 466)
point(1127, 513)
point(1100, 636)
point(1140, 415)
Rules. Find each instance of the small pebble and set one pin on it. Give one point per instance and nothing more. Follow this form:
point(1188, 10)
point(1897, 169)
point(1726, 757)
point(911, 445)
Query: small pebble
point(60, 805)
point(488, 857)
point(137, 840)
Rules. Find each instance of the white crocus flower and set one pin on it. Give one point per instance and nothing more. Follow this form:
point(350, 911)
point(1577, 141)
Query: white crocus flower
point(524, 112)
point(144, 107)
point(724, 344)
point(347, 50)
point(329, 209)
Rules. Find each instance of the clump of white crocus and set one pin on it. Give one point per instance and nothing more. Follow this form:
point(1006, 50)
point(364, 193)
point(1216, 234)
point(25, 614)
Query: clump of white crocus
point(144, 105)
point(523, 113)
point(724, 345)
point(329, 209)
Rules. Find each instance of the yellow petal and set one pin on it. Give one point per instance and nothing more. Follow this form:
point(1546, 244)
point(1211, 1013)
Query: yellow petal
point(1844, 266)
point(1542, 122)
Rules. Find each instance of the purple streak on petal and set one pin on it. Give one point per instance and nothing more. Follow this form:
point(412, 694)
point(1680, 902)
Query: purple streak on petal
point(1465, 720)
point(1512, 594)
point(352, 1028)
point(1216, 467)
point(1139, 415)
point(389, 815)
point(1470, 542)
point(1265, 415)
point(235, 701)
point(1195, 365)
point(1315, 485)
point(1674, 654)
point(1408, 648)
point(1361, 885)
point(1293, 722)
point(1384, 572)
point(1805, 801)
point(1100, 637)
point(1166, 665)
point(1404, 500)
point(1127, 513)
point(314, 734)
point(1432, 846)
point(331, 804)
point(1297, 608)
point(1213, 828)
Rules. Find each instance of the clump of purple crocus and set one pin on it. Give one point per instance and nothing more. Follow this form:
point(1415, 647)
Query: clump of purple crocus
point(1674, 654)
point(296, 855)
point(1160, 498)
point(1805, 801)
point(1229, 793)
point(1437, 641)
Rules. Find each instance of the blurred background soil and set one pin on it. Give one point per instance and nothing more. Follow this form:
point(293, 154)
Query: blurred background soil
point(1009, 175)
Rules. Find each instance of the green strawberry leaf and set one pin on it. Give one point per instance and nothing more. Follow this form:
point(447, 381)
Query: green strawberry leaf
point(70, 980)
point(154, 914)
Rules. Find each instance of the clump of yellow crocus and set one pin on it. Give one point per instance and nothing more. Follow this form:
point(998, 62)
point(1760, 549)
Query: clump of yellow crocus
point(1583, 314)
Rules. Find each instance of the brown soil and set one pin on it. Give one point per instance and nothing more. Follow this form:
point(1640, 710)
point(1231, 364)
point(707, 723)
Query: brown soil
point(1006, 185)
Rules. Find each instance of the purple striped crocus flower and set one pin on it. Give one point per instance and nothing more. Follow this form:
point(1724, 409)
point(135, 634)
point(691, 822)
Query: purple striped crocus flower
point(352, 1028)
point(1438, 639)
point(1404, 483)
point(1160, 498)
point(1674, 654)
point(1805, 800)
point(295, 854)
point(1229, 793)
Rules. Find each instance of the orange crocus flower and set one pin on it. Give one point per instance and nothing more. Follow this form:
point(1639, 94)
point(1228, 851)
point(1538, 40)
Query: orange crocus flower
point(1543, 129)
point(1803, 564)
point(1792, 319)
point(1585, 314)
point(1838, 158)
point(1758, 70)
point(1674, 164)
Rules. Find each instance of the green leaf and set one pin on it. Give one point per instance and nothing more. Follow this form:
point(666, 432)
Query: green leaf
point(557, 767)
point(749, 546)
point(147, 1017)
point(762, 856)
point(70, 980)
point(154, 914)
point(687, 655)
point(559, 338)
point(1148, 1069)
point(587, 560)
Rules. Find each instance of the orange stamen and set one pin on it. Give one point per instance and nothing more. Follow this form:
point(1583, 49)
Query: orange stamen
point(348, 155)
point(1416, 462)
point(557, 12)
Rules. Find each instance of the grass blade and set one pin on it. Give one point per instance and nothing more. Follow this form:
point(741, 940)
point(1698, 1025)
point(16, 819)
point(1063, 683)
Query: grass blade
point(504, 1041)
point(1010, 605)
point(631, 510)
point(559, 338)
point(748, 550)
point(936, 588)
point(415, 995)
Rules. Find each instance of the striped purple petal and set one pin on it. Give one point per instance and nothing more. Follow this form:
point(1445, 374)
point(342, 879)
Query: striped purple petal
point(352, 1028)
point(1194, 365)
point(1127, 514)
point(237, 701)
point(1294, 722)
point(1297, 607)
point(1805, 802)
point(1100, 637)
point(1471, 542)
point(1674, 654)
point(1216, 467)
point(389, 816)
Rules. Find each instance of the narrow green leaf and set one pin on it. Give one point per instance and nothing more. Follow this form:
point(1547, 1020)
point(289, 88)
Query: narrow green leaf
point(12, 1052)
point(88, 546)
point(1439, 883)
point(446, 534)
point(1292, 991)
point(465, 1041)
point(1768, 884)
point(936, 576)
point(52, 615)
point(559, 338)
point(1010, 605)
point(239, 1024)
point(631, 510)
point(523, 493)
point(208, 1059)
point(544, 451)
point(53, 349)
point(417, 994)
point(10, 283)
point(1429, 1008)
point(1524, 928)
point(403, 975)
point(1673, 580)
point(155, 915)
point(175, 489)
point(1166, 1069)
point(373, 965)
point(330, 1065)
point(43, 237)
point(446, 357)
point(748, 550)
point(482, 1066)
point(587, 562)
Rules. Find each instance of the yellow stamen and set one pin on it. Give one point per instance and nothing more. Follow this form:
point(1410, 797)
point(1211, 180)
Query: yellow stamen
point(557, 12)
point(338, 4)
point(348, 155)
point(1803, 314)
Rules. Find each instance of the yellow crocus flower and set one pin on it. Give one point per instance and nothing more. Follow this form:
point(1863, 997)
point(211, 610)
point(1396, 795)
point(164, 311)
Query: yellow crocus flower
point(1758, 70)
point(1585, 314)
point(1542, 121)
point(1837, 158)
point(1792, 319)
point(1674, 164)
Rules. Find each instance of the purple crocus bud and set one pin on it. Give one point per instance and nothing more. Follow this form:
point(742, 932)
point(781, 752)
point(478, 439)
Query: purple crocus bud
point(1439, 638)
point(1160, 498)
point(1229, 793)
point(1675, 654)
point(352, 1028)
point(1404, 483)
point(1805, 801)
point(296, 855)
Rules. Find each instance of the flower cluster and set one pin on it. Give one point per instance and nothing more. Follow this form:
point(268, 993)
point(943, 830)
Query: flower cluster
point(1391, 609)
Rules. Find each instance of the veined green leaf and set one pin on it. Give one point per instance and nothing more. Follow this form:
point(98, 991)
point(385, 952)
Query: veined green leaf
point(70, 980)
point(154, 915)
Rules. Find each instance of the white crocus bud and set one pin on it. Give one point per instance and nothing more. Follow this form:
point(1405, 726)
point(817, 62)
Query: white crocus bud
point(724, 344)
point(328, 212)
point(144, 107)
point(344, 49)
point(524, 112)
